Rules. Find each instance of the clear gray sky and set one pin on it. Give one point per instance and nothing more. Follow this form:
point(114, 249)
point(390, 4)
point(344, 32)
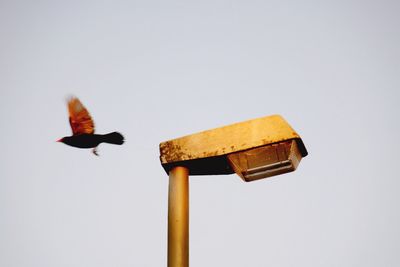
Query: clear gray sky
point(156, 70)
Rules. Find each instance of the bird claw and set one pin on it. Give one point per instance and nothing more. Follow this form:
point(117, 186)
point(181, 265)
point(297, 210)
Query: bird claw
point(94, 150)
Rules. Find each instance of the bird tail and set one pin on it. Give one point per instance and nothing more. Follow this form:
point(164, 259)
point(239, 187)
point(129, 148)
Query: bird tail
point(113, 138)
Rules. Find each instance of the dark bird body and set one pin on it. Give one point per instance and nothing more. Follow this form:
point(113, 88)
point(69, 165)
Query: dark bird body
point(83, 129)
point(93, 140)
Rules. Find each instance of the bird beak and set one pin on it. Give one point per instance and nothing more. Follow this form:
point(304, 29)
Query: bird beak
point(59, 140)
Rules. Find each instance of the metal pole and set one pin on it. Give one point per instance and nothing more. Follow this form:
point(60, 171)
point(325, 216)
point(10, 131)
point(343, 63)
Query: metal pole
point(178, 217)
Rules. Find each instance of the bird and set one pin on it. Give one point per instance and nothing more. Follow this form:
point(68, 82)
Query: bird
point(82, 126)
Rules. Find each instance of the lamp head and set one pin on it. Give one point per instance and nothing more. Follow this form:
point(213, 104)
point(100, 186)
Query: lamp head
point(253, 149)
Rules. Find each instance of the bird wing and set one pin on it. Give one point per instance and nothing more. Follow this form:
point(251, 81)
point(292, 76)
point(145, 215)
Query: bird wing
point(79, 118)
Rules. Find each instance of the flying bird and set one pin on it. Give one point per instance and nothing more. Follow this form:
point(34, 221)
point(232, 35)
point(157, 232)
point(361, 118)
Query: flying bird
point(82, 126)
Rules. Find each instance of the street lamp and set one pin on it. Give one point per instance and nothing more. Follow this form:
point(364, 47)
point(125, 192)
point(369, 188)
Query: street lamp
point(254, 149)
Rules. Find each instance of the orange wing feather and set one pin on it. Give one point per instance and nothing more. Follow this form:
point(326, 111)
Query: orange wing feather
point(79, 118)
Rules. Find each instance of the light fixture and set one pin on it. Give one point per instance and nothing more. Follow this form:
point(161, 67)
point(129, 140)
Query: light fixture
point(254, 149)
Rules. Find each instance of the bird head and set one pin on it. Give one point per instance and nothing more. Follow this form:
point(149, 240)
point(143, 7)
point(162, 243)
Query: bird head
point(66, 140)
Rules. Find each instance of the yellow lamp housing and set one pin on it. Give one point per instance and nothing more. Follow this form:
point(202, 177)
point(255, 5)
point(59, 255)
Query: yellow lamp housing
point(254, 149)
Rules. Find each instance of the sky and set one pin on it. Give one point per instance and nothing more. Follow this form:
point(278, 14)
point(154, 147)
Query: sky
point(158, 70)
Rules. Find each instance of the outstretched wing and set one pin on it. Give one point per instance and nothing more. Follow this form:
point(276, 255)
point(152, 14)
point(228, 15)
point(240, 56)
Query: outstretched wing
point(79, 118)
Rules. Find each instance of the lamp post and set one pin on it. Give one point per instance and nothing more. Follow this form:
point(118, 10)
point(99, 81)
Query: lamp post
point(253, 149)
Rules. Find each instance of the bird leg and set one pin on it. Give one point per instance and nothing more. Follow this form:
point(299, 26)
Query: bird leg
point(94, 150)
